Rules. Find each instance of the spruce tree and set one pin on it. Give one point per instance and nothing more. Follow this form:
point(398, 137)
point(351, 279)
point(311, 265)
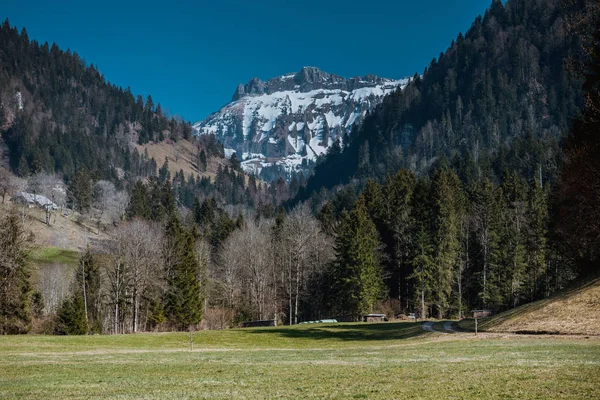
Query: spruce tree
point(356, 273)
point(163, 173)
point(88, 286)
point(23, 168)
point(138, 203)
point(184, 300)
point(513, 238)
point(15, 289)
point(423, 274)
point(398, 216)
point(70, 318)
point(446, 194)
point(81, 189)
point(537, 219)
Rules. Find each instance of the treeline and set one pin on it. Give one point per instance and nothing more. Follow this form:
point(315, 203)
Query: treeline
point(59, 114)
point(499, 98)
point(445, 248)
point(148, 276)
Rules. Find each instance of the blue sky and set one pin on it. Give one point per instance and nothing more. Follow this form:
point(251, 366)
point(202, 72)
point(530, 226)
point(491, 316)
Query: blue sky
point(190, 56)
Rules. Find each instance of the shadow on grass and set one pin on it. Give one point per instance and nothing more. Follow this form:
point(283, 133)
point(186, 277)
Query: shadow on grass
point(348, 331)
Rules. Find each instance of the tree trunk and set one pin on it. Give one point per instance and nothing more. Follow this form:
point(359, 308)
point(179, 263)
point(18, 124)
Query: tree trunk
point(85, 295)
point(423, 304)
point(297, 292)
point(136, 306)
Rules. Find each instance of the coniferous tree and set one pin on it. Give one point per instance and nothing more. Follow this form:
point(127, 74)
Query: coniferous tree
point(163, 173)
point(88, 287)
point(184, 299)
point(423, 273)
point(513, 236)
point(202, 161)
point(23, 168)
point(356, 273)
point(81, 189)
point(138, 203)
point(15, 288)
point(399, 223)
point(446, 194)
point(537, 218)
point(484, 212)
point(70, 318)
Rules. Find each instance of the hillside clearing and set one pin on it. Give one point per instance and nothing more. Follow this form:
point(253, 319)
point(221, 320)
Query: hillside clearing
point(378, 361)
point(181, 156)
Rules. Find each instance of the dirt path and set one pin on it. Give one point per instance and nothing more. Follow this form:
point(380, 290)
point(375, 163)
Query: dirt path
point(448, 327)
point(428, 326)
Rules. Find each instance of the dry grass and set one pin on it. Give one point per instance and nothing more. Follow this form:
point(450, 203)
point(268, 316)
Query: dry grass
point(342, 361)
point(575, 312)
point(64, 232)
point(181, 156)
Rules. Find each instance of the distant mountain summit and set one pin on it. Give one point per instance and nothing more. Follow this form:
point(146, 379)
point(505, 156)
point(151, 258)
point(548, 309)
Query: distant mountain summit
point(282, 125)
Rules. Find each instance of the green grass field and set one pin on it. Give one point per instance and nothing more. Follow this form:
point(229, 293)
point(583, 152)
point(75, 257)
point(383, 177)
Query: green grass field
point(49, 255)
point(344, 361)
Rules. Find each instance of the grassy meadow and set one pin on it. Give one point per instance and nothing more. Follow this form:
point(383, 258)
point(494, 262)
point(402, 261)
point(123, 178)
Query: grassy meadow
point(342, 361)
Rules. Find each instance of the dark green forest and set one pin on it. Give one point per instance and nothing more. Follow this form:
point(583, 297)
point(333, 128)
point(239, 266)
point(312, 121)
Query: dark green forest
point(500, 97)
point(59, 114)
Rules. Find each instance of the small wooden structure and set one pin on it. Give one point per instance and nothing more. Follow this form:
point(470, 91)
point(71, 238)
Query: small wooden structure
point(253, 324)
point(33, 200)
point(375, 318)
point(480, 314)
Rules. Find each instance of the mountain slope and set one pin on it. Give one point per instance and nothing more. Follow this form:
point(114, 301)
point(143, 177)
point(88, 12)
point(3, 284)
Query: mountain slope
point(291, 120)
point(500, 97)
point(58, 114)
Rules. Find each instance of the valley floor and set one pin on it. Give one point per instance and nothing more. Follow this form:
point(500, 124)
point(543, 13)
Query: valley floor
point(343, 361)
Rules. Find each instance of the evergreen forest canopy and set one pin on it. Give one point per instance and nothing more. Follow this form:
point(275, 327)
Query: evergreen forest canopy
point(464, 190)
point(58, 114)
point(500, 98)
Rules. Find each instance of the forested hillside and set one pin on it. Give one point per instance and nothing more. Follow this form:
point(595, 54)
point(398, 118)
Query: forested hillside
point(498, 98)
point(478, 140)
point(452, 195)
point(59, 114)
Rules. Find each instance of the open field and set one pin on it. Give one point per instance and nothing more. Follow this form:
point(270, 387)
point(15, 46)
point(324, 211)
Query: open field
point(343, 361)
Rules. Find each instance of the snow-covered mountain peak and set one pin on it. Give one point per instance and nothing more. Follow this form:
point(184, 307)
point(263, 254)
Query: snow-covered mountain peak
point(282, 125)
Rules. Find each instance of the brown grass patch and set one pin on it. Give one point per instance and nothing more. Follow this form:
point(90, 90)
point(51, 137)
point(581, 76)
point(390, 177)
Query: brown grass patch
point(573, 312)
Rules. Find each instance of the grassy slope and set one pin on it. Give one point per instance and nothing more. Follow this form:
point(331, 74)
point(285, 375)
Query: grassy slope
point(379, 361)
point(63, 233)
point(50, 255)
point(576, 311)
point(187, 153)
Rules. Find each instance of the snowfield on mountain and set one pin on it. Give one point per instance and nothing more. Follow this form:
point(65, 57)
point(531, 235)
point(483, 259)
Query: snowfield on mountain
point(287, 122)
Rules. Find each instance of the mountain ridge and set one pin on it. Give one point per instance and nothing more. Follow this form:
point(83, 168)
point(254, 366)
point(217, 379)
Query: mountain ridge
point(284, 124)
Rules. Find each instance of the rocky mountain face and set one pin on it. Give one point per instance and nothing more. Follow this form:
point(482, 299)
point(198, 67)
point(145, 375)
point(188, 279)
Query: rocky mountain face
point(282, 125)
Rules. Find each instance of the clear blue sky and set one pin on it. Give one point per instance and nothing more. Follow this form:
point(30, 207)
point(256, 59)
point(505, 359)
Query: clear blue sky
point(190, 56)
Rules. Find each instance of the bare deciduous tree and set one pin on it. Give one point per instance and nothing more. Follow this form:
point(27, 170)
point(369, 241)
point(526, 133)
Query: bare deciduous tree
point(140, 246)
point(8, 184)
point(306, 250)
